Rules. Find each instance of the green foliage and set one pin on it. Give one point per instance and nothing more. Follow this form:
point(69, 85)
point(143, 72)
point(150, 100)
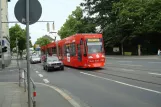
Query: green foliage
point(42, 41)
point(76, 23)
point(126, 20)
point(19, 33)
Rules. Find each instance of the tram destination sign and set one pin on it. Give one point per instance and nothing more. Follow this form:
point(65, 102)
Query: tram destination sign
point(93, 40)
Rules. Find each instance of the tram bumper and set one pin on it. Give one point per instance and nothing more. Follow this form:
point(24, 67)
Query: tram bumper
point(95, 65)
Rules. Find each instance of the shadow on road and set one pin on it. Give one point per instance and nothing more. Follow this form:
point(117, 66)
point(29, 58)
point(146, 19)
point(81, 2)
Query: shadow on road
point(86, 69)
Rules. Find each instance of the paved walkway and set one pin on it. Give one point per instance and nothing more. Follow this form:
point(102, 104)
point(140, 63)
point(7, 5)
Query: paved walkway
point(11, 95)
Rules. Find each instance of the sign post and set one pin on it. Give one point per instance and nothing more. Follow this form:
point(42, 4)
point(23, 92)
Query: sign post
point(28, 53)
point(28, 12)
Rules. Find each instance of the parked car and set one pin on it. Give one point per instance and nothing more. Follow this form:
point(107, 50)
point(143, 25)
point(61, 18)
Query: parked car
point(35, 59)
point(52, 63)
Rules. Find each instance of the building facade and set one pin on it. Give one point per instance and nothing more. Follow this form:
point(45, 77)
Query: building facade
point(5, 31)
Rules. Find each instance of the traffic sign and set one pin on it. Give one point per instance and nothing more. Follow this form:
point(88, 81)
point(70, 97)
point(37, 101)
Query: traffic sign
point(34, 12)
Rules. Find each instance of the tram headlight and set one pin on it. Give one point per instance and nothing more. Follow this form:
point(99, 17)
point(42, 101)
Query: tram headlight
point(90, 57)
point(102, 60)
point(103, 56)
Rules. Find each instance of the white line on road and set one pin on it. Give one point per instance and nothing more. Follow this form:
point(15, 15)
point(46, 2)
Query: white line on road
point(130, 65)
point(46, 80)
point(122, 83)
point(129, 70)
point(155, 62)
point(22, 75)
point(37, 71)
point(65, 95)
point(40, 75)
point(124, 61)
point(154, 73)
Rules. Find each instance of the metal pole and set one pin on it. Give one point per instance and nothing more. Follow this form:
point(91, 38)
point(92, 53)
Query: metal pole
point(18, 62)
point(28, 54)
point(0, 32)
point(1, 37)
point(122, 48)
point(17, 52)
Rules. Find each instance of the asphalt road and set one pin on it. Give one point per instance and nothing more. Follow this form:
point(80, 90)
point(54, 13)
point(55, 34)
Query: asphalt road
point(121, 83)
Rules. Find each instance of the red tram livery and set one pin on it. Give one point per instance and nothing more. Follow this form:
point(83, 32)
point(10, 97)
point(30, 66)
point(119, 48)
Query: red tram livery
point(79, 50)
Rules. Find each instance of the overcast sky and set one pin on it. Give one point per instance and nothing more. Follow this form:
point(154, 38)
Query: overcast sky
point(53, 10)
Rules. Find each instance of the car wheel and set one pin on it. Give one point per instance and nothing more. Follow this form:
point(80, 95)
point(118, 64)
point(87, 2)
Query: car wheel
point(43, 67)
point(47, 69)
point(62, 68)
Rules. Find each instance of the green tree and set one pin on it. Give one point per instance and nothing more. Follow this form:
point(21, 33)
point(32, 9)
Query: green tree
point(42, 41)
point(102, 15)
point(100, 10)
point(138, 17)
point(19, 33)
point(130, 21)
point(76, 23)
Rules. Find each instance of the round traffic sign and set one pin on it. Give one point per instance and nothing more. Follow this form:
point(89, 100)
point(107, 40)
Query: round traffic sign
point(35, 11)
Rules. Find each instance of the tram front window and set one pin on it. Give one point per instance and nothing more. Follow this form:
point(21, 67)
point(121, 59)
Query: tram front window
point(94, 47)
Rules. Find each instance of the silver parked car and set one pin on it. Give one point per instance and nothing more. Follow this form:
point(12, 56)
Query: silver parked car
point(35, 59)
point(53, 63)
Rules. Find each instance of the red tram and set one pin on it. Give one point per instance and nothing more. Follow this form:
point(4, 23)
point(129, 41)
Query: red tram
point(79, 50)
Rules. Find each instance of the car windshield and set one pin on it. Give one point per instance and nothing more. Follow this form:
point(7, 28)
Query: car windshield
point(94, 47)
point(52, 59)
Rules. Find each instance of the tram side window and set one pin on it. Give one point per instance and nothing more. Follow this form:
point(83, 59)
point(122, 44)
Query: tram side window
point(60, 50)
point(54, 50)
point(65, 51)
point(73, 49)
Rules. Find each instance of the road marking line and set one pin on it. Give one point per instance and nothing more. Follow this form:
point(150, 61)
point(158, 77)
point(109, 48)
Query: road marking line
point(65, 95)
point(131, 65)
point(61, 92)
point(124, 61)
point(40, 75)
point(155, 62)
point(23, 75)
point(37, 71)
point(154, 73)
point(122, 83)
point(130, 70)
point(46, 81)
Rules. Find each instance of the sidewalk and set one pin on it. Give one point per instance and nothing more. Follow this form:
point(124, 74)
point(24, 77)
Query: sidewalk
point(48, 97)
point(13, 64)
point(11, 95)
